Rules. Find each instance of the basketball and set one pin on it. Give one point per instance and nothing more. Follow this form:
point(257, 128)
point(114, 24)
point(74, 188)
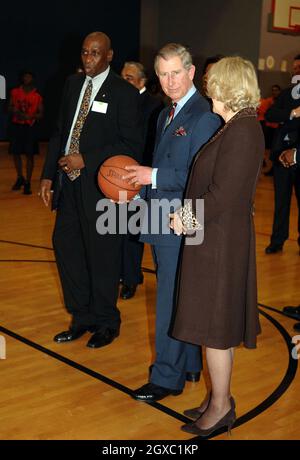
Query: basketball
point(110, 177)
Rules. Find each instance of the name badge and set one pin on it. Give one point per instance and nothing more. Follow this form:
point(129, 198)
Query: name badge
point(99, 106)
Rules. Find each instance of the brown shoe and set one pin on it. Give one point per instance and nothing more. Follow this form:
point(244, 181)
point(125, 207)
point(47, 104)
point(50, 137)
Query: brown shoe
point(227, 421)
point(195, 413)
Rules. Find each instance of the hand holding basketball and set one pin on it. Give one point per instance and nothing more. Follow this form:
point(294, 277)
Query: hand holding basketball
point(140, 175)
point(112, 180)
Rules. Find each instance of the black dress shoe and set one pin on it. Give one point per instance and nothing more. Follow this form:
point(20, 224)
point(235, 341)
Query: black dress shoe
point(151, 393)
point(273, 248)
point(127, 291)
point(292, 312)
point(297, 327)
point(102, 338)
point(189, 376)
point(19, 183)
point(27, 188)
point(72, 334)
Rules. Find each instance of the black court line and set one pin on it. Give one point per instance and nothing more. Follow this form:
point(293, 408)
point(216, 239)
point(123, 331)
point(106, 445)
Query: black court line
point(264, 405)
point(283, 385)
point(267, 307)
point(268, 402)
point(26, 260)
point(90, 372)
point(26, 244)
point(146, 270)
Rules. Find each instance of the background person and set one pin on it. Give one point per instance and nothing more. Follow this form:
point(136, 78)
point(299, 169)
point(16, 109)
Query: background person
point(150, 106)
point(289, 158)
point(286, 111)
point(269, 129)
point(26, 107)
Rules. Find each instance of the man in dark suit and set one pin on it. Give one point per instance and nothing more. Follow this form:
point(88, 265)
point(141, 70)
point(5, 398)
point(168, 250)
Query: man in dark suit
point(151, 106)
point(285, 111)
point(289, 158)
point(99, 118)
point(181, 131)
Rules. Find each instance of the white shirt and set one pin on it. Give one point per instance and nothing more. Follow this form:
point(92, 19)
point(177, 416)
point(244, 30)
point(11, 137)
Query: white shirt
point(179, 106)
point(97, 83)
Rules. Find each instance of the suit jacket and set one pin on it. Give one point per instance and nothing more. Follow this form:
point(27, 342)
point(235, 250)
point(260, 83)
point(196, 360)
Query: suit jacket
point(173, 156)
point(118, 131)
point(288, 133)
point(150, 109)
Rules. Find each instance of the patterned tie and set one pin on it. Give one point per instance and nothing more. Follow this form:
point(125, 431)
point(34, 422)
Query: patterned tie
point(82, 114)
point(171, 114)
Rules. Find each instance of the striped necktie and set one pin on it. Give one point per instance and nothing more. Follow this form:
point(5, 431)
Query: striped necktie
point(82, 114)
point(170, 115)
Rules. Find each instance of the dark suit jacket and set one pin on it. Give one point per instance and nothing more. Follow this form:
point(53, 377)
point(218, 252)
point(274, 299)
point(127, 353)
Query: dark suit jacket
point(173, 156)
point(280, 112)
point(150, 109)
point(118, 131)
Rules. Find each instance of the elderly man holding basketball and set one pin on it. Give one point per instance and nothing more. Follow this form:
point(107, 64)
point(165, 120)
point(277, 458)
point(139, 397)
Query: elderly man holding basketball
point(181, 131)
point(99, 118)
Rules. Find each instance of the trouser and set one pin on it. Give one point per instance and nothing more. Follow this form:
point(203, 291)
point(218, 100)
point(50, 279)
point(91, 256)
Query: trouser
point(88, 263)
point(173, 357)
point(284, 181)
point(132, 255)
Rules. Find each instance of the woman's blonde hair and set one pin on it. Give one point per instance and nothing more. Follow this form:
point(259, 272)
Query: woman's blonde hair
point(233, 81)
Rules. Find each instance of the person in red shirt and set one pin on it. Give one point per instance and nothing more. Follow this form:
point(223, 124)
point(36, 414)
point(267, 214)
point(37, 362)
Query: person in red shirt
point(269, 128)
point(26, 106)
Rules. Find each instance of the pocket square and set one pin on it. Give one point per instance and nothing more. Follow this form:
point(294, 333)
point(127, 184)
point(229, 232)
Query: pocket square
point(180, 131)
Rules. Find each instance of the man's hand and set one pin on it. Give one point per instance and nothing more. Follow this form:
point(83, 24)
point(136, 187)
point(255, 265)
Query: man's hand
point(138, 175)
point(45, 191)
point(287, 158)
point(70, 162)
point(295, 113)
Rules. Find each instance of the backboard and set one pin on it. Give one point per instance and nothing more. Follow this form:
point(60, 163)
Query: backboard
point(285, 16)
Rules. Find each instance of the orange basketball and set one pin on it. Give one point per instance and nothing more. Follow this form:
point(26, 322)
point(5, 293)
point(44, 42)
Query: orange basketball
point(110, 177)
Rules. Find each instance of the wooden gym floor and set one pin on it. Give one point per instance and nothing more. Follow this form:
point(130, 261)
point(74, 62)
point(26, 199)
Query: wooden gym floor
point(70, 392)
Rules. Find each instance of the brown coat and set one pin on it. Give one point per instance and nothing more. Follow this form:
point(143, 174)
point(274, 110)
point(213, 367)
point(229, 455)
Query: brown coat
point(217, 292)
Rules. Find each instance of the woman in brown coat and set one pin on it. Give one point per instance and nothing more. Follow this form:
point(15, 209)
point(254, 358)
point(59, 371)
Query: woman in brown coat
point(217, 293)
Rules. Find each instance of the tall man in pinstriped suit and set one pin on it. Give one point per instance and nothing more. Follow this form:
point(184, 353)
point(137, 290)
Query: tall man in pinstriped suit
point(181, 132)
